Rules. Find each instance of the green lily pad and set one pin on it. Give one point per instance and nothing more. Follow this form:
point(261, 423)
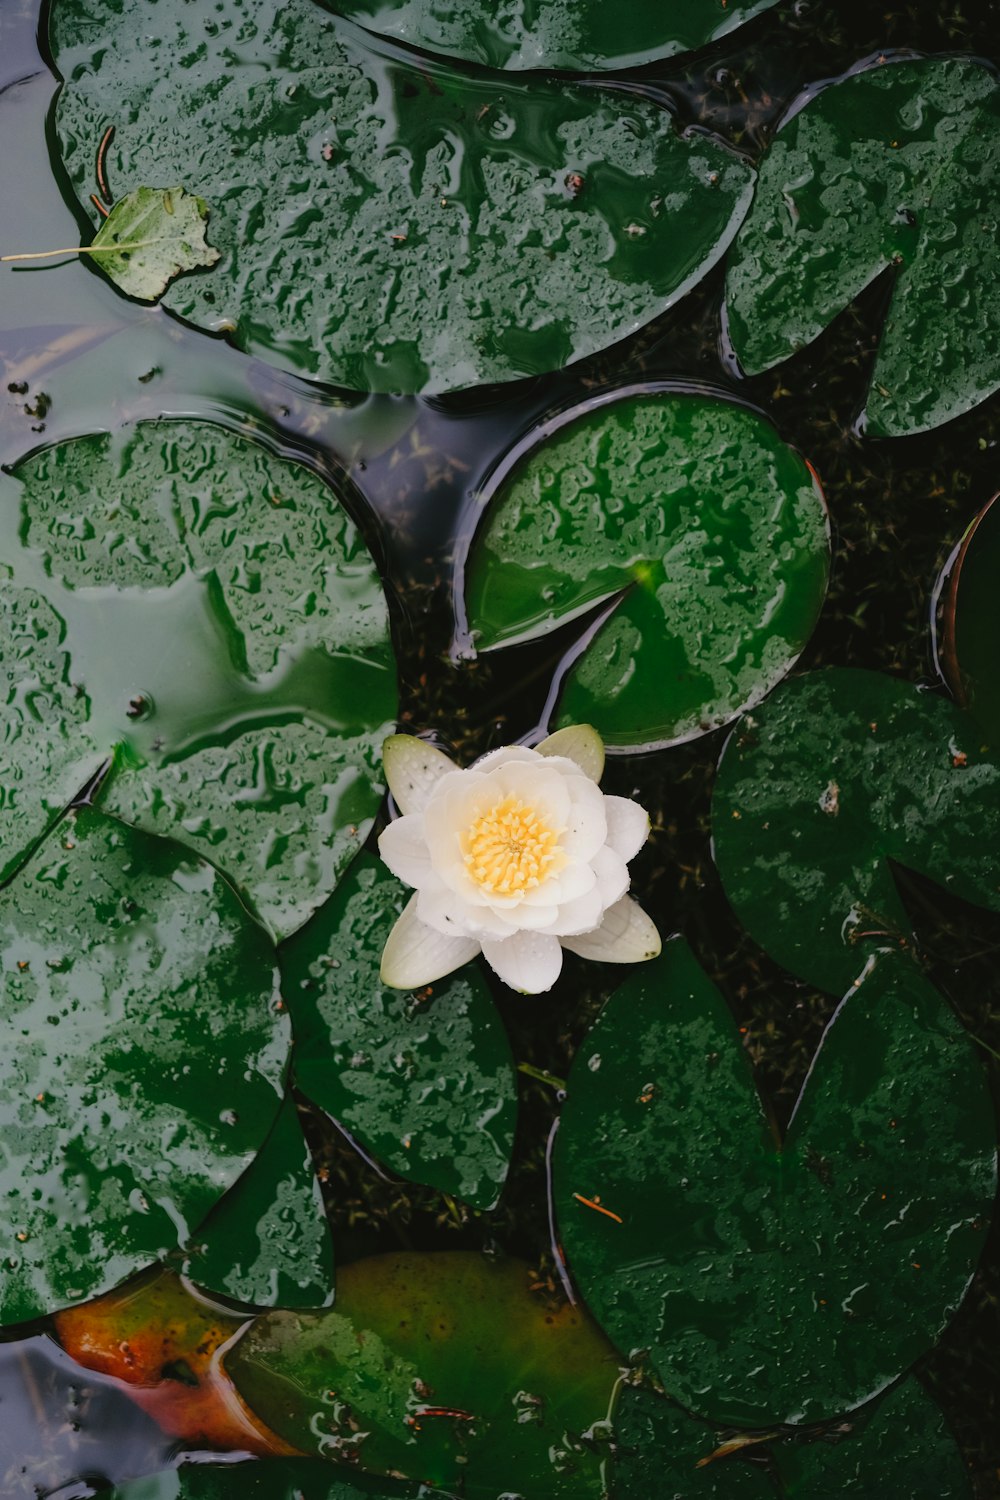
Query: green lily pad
point(894, 166)
point(439, 1366)
point(267, 1243)
point(425, 1081)
point(143, 1058)
point(689, 511)
point(270, 1479)
point(385, 223)
point(584, 36)
point(773, 1284)
point(971, 643)
point(900, 1450)
point(204, 611)
point(840, 772)
point(661, 1451)
point(151, 236)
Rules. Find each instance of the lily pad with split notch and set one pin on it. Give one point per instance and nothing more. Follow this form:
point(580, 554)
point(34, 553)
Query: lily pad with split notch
point(388, 223)
point(204, 612)
point(424, 1081)
point(691, 517)
point(774, 1282)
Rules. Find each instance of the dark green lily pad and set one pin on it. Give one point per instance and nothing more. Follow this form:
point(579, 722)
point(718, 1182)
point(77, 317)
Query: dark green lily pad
point(901, 1450)
point(269, 1479)
point(387, 224)
point(582, 36)
point(143, 1058)
point(206, 612)
point(425, 1081)
point(690, 510)
point(838, 773)
point(268, 1244)
point(660, 1451)
point(894, 166)
point(773, 1284)
point(971, 642)
point(439, 1366)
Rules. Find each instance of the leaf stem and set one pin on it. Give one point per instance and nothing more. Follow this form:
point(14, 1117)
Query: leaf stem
point(85, 250)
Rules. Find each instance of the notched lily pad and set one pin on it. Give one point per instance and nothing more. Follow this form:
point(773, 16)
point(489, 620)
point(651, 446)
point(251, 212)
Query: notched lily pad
point(204, 611)
point(894, 166)
point(151, 236)
point(837, 774)
point(424, 1081)
point(580, 35)
point(387, 224)
point(143, 1057)
point(690, 511)
point(769, 1283)
point(971, 644)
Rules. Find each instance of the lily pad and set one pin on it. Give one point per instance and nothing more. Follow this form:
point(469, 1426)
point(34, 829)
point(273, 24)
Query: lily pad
point(896, 167)
point(690, 516)
point(766, 1283)
point(268, 1244)
point(275, 1479)
point(661, 1451)
point(839, 773)
point(425, 1081)
point(385, 223)
point(143, 1059)
point(582, 36)
point(443, 1367)
point(971, 643)
point(900, 1450)
point(204, 611)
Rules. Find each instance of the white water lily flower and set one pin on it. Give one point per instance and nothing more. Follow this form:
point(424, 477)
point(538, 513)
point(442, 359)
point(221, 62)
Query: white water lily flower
point(518, 857)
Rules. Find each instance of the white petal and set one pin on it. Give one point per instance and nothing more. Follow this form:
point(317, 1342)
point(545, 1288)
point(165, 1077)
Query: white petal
point(581, 744)
point(628, 826)
point(529, 961)
point(587, 827)
point(581, 915)
point(503, 756)
point(412, 769)
point(612, 875)
point(572, 881)
point(403, 847)
point(626, 936)
point(444, 910)
point(415, 954)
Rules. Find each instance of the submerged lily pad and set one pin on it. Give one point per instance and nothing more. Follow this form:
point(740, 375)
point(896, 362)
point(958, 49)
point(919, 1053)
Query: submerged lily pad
point(274, 1479)
point(580, 35)
point(899, 1450)
point(143, 1057)
point(689, 511)
point(388, 224)
point(443, 1367)
point(424, 1081)
point(895, 166)
point(839, 773)
point(151, 236)
point(972, 622)
point(206, 612)
point(268, 1243)
point(773, 1283)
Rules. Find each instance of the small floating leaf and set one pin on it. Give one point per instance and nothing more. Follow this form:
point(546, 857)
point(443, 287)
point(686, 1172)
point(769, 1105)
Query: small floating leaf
point(900, 1449)
point(692, 513)
point(186, 601)
point(894, 166)
point(838, 773)
point(439, 1366)
point(267, 1243)
point(971, 651)
point(583, 36)
point(424, 1081)
point(772, 1284)
point(388, 223)
point(143, 1058)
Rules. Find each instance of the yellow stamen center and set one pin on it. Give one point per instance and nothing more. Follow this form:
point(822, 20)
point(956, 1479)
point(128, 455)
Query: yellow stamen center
point(511, 849)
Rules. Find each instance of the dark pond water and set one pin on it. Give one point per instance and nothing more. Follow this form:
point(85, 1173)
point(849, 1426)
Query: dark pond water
point(77, 357)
